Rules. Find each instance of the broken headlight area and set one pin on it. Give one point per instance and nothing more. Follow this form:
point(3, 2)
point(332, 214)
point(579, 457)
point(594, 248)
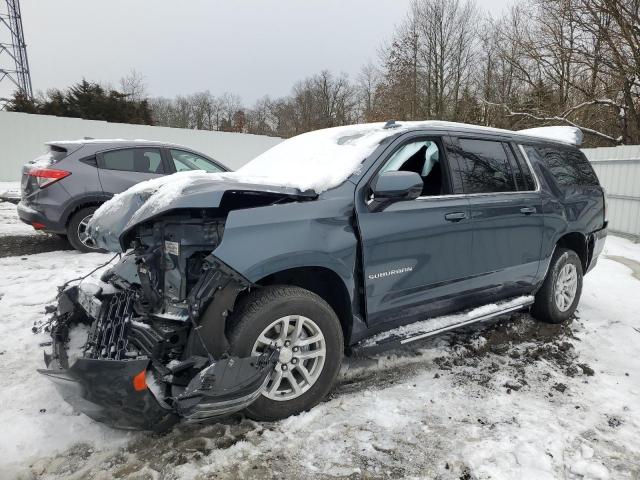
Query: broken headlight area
point(154, 350)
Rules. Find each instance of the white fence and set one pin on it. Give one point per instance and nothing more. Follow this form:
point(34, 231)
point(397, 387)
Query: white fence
point(618, 169)
point(22, 138)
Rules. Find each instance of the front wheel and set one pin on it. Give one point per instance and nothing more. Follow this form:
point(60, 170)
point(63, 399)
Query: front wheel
point(558, 298)
point(308, 335)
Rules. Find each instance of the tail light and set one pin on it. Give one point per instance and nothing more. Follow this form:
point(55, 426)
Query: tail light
point(46, 176)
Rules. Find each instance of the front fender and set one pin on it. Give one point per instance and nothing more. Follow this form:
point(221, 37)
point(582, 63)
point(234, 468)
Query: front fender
point(261, 241)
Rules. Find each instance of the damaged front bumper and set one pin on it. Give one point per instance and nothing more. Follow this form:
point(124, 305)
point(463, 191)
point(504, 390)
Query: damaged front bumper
point(130, 390)
point(109, 391)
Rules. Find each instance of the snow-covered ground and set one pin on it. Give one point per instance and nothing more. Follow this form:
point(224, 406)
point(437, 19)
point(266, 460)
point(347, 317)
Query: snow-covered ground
point(10, 224)
point(514, 400)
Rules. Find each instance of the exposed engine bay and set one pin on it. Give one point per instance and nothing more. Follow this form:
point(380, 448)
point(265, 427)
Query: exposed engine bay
point(156, 349)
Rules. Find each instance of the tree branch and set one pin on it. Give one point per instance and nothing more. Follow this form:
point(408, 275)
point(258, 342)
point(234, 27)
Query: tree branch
point(558, 118)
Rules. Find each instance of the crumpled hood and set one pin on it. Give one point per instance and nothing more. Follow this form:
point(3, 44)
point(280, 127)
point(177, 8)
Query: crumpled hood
point(183, 190)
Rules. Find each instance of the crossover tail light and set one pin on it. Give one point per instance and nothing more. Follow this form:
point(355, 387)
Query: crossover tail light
point(46, 176)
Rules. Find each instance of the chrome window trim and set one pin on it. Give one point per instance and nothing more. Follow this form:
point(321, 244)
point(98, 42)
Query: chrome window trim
point(485, 194)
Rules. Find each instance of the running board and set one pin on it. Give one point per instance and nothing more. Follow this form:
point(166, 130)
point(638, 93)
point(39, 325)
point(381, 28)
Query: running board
point(428, 328)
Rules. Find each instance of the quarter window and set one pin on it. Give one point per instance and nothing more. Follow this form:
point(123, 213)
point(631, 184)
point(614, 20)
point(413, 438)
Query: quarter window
point(184, 161)
point(484, 167)
point(143, 160)
point(569, 167)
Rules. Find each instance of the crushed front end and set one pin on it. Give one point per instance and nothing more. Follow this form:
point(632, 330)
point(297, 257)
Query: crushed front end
point(146, 347)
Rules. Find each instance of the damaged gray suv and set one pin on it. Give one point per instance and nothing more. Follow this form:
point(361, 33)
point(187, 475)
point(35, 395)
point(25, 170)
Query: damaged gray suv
point(242, 291)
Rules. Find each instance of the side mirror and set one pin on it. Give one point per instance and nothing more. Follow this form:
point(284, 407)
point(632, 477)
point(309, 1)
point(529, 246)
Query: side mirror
point(398, 186)
point(392, 187)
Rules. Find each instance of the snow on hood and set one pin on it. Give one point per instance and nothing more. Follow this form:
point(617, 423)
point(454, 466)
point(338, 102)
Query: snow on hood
point(565, 134)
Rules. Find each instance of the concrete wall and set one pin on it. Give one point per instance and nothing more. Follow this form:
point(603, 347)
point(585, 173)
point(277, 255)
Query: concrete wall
point(618, 169)
point(22, 138)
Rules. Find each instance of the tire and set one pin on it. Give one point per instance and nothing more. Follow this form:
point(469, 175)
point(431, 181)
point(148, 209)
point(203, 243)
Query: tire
point(259, 316)
point(73, 233)
point(549, 307)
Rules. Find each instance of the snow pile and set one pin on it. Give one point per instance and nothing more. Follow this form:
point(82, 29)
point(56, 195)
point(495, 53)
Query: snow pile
point(570, 135)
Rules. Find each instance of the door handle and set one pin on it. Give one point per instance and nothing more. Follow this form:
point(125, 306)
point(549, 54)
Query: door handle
point(528, 210)
point(455, 216)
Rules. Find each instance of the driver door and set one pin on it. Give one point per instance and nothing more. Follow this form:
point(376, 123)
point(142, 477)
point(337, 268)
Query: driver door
point(416, 253)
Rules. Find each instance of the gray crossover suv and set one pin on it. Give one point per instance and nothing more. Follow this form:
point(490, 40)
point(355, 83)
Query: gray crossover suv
point(244, 290)
point(62, 189)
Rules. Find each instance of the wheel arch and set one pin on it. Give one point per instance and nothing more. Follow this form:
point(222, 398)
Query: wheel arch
point(90, 200)
point(579, 243)
point(322, 281)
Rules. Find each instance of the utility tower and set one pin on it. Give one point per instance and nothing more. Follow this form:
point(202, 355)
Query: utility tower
point(14, 66)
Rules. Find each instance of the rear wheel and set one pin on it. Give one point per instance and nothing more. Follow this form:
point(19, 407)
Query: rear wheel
point(309, 337)
point(558, 298)
point(77, 231)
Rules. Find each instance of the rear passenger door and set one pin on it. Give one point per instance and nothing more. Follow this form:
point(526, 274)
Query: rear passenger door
point(506, 215)
point(122, 168)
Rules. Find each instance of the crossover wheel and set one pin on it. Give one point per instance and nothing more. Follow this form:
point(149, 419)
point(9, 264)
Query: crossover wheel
point(308, 336)
point(557, 299)
point(77, 231)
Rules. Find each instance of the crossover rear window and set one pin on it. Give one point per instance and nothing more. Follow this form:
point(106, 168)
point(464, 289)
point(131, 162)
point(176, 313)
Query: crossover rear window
point(57, 153)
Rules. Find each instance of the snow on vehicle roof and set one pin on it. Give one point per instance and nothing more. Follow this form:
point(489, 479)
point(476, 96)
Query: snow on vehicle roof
point(82, 141)
point(564, 134)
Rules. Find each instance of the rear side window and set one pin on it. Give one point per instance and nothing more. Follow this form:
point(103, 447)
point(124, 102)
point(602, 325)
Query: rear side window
point(484, 167)
point(143, 160)
point(569, 167)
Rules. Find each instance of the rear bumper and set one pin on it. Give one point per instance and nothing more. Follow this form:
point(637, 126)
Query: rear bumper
point(31, 216)
point(598, 238)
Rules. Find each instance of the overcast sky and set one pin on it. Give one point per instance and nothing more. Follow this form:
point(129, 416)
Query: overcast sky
point(251, 48)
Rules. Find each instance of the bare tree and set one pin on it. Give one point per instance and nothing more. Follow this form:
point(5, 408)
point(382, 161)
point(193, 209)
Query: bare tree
point(134, 86)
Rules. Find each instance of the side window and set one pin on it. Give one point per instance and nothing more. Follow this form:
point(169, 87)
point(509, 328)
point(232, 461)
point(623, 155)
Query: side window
point(143, 160)
point(184, 161)
point(484, 167)
point(424, 158)
point(521, 170)
point(569, 167)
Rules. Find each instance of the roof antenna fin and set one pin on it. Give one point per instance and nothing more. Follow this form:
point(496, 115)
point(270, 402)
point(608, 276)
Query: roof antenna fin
point(391, 124)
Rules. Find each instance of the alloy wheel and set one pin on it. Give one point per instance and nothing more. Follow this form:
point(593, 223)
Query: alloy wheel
point(302, 353)
point(83, 235)
point(566, 287)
